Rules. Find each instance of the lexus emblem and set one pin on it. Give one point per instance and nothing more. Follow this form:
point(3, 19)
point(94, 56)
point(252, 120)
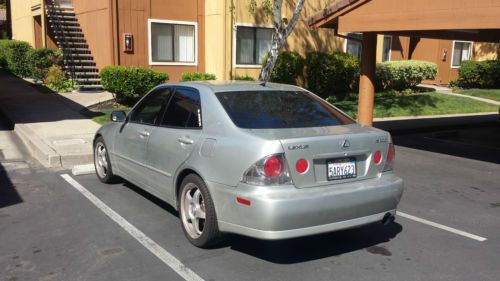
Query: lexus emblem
point(345, 144)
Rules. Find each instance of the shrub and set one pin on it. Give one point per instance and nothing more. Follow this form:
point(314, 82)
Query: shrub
point(129, 84)
point(197, 76)
point(478, 74)
point(57, 81)
point(331, 73)
point(289, 66)
point(14, 57)
point(401, 75)
point(40, 62)
point(243, 78)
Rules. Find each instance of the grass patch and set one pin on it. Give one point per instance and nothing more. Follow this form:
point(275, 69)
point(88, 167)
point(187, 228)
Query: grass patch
point(491, 94)
point(395, 105)
point(101, 113)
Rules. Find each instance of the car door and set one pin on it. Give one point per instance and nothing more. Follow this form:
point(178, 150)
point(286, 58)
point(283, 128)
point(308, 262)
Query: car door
point(175, 138)
point(132, 139)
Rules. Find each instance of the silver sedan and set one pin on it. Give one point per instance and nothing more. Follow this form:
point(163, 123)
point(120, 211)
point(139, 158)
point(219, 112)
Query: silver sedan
point(268, 161)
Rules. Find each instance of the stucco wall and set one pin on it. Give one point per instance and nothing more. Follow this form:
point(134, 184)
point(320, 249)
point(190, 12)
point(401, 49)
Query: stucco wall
point(220, 24)
point(22, 19)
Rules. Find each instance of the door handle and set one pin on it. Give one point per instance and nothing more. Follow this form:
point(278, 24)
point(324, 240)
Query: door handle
point(185, 140)
point(144, 134)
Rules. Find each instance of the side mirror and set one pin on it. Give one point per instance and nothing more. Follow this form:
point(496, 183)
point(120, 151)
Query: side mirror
point(118, 116)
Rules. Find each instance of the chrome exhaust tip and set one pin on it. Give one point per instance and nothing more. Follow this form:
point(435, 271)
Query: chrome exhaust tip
point(388, 219)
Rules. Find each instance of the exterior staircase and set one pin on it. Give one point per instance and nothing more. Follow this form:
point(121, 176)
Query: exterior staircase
point(78, 60)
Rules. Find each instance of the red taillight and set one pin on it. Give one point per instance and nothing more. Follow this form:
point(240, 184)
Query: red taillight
point(302, 165)
point(273, 167)
point(391, 153)
point(377, 158)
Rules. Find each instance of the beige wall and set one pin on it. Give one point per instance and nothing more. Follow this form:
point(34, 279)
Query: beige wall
point(486, 51)
point(220, 38)
point(22, 19)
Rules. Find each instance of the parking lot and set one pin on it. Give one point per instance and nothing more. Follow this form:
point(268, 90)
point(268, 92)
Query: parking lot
point(448, 227)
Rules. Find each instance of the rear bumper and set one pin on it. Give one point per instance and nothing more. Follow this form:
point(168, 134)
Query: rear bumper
point(286, 212)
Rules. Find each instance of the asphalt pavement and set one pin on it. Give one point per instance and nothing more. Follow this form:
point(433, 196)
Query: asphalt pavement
point(49, 230)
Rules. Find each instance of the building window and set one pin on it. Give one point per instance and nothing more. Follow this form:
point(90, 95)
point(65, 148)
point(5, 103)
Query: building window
point(172, 42)
point(386, 48)
point(353, 47)
point(461, 51)
point(252, 44)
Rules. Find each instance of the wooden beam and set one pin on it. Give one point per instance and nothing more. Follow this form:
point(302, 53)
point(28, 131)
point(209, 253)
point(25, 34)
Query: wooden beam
point(367, 79)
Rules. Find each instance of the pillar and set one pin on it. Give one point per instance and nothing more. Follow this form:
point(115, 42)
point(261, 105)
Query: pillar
point(367, 78)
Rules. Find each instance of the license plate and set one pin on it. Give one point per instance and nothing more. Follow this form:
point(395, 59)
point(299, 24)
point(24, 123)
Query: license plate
point(339, 169)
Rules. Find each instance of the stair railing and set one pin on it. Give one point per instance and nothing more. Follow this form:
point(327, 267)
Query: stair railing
point(53, 9)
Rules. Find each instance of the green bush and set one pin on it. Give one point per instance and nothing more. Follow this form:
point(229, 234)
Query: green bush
point(129, 84)
point(289, 66)
point(57, 81)
point(243, 78)
point(197, 76)
point(401, 75)
point(332, 73)
point(14, 57)
point(41, 60)
point(478, 74)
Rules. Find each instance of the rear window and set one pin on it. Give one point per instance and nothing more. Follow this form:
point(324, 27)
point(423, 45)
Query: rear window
point(279, 109)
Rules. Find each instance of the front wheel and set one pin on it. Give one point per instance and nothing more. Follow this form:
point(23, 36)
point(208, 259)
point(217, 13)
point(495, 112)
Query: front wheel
point(101, 162)
point(197, 213)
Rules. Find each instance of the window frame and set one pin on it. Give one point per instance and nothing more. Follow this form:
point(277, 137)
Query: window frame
point(166, 105)
point(390, 48)
point(235, 43)
point(144, 99)
point(172, 22)
point(348, 34)
point(471, 45)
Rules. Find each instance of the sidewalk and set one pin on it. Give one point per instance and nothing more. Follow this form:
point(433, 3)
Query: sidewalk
point(50, 125)
point(449, 91)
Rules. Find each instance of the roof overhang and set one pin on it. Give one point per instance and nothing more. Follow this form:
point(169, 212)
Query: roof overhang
point(477, 20)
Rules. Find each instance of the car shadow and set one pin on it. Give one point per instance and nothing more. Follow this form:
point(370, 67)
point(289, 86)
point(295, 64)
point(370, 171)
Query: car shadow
point(8, 193)
point(298, 250)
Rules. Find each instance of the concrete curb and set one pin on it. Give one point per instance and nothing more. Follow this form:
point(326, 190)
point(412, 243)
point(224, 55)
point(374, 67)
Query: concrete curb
point(402, 118)
point(37, 148)
point(86, 169)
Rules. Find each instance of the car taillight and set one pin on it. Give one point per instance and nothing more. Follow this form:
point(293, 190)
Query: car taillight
point(273, 166)
point(377, 157)
point(302, 166)
point(391, 154)
point(270, 170)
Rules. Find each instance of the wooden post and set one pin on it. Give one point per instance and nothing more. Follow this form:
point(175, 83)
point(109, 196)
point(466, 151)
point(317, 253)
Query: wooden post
point(367, 79)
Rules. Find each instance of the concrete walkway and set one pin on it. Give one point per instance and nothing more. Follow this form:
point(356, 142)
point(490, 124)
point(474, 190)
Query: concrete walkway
point(50, 125)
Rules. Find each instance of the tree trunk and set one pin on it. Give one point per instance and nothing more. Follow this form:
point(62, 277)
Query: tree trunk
point(279, 37)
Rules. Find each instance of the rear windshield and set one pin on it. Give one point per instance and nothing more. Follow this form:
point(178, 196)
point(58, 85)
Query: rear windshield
point(279, 109)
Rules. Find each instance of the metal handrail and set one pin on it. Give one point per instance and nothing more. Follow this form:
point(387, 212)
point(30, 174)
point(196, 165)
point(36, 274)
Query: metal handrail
point(53, 7)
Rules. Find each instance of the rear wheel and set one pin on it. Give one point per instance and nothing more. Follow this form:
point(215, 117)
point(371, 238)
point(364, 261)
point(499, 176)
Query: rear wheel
point(102, 164)
point(197, 213)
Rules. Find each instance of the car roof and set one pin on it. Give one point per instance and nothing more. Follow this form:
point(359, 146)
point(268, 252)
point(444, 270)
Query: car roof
point(236, 86)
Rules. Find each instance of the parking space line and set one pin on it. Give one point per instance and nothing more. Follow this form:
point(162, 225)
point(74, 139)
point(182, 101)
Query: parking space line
point(443, 227)
point(147, 242)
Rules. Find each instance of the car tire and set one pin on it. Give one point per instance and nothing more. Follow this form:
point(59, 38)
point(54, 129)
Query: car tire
point(197, 213)
point(102, 164)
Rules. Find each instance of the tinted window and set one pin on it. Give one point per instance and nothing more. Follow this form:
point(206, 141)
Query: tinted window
point(279, 109)
point(184, 110)
point(149, 109)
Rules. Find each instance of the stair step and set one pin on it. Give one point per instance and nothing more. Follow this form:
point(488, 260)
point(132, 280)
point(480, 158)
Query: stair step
point(88, 79)
point(73, 33)
point(71, 23)
point(68, 37)
point(58, 16)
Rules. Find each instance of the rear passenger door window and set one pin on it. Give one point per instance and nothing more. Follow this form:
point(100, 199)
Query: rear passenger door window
point(184, 110)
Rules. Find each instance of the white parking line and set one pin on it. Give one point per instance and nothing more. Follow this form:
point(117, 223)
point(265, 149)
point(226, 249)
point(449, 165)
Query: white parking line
point(147, 242)
point(443, 227)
